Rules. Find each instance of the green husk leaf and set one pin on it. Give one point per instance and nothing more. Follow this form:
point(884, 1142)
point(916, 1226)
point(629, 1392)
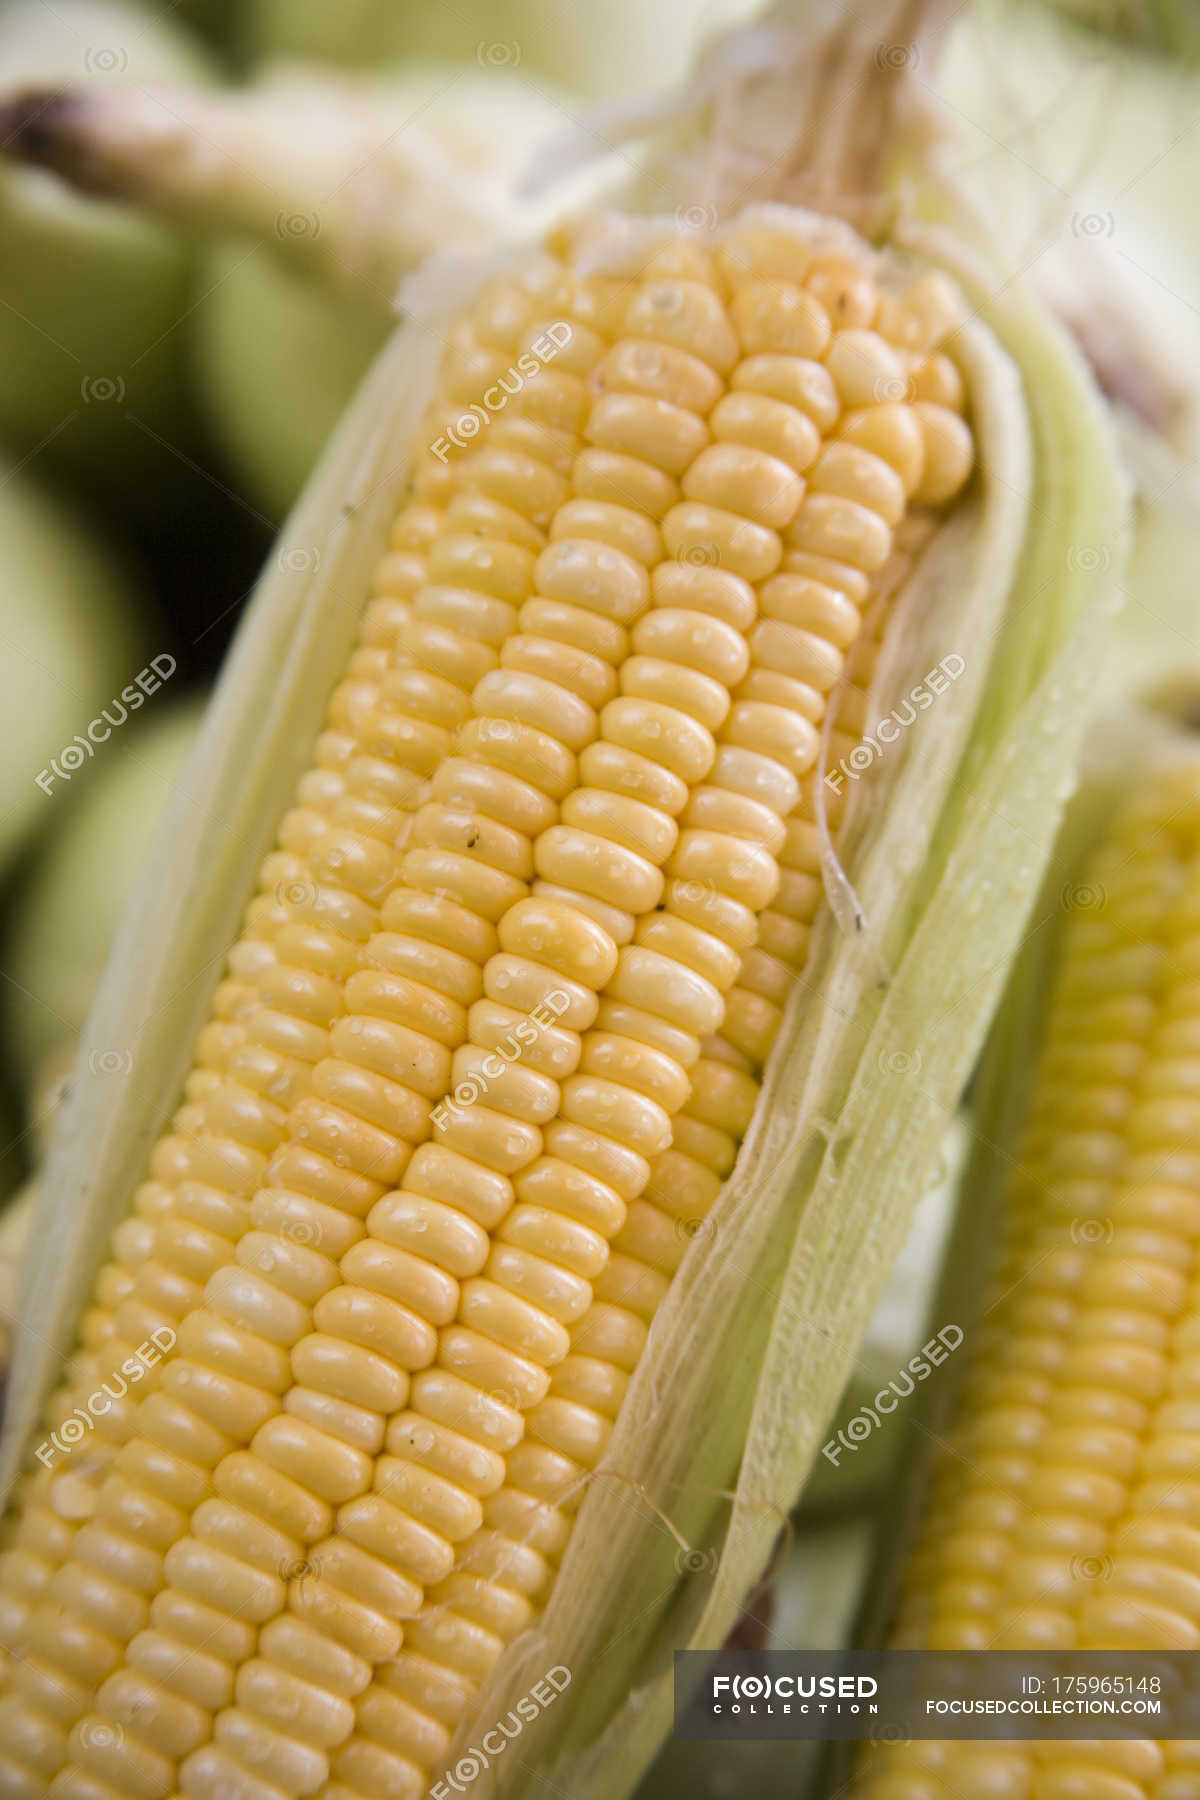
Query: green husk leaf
point(199, 873)
point(753, 1345)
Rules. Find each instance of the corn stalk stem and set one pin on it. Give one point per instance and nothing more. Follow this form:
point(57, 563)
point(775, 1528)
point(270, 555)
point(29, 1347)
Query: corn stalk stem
point(348, 182)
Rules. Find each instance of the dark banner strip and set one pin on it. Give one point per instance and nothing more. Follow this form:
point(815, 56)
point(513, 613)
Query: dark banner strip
point(893, 1696)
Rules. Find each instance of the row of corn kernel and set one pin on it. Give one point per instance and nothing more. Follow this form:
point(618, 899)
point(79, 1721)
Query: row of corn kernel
point(195, 1200)
point(551, 872)
point(612, 1052)
point(566, 1432)
point(539, 1470)
point(567, 856)
point(194, 1197)
point(304, 879)
point(570, 1426)
point(689, 652)
point(258, 1059)
point(587, 581)
point(460, 615)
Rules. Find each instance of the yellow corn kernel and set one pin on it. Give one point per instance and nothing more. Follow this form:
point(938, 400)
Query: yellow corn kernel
point(682, 1185)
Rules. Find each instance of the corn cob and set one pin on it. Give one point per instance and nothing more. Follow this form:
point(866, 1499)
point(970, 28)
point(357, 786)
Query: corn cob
point(527, 1522)
point(366, 1312)
point(1062, 1513)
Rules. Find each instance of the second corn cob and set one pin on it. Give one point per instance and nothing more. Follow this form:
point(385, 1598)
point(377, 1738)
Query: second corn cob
point(1063, 1512)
